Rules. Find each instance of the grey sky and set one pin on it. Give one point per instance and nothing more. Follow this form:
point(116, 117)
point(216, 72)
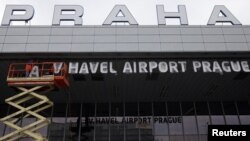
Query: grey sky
point(144, 11)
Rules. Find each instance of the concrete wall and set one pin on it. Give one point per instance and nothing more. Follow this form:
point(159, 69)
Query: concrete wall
point(83, 39)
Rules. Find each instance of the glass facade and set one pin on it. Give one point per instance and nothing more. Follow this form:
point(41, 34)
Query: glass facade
point(142, 121)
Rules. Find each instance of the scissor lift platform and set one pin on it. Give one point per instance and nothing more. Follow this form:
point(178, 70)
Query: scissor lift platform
point(32, 83)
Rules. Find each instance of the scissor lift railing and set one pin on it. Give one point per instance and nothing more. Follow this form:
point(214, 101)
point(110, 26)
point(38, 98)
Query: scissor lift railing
point(32, 88)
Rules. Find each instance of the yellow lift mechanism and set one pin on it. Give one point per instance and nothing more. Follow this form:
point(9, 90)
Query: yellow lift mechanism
point(32, 88)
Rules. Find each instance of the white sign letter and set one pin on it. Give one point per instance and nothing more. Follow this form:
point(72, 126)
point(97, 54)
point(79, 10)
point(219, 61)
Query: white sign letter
point(9, 16)
point(113, 16)
point(227, 16)
point(181, 14)
point(76, 17)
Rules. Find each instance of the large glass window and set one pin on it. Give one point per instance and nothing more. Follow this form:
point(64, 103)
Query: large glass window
point(160, 109)
point(131, 109)
point(231, 115)
point(189, 121)
point(117, 127)
point(87, 121)
point(187, 108)
point(132, 129)
point(57, 129)
point(173, 108)
point(1, 128)
point(243, 108)
point(161, 138)
point(232, 120)
point(161, 129)
point(203, 137)
point(146, 128)
point(57, 126)
point(201, 108)
point(191, 138)
point(190, 127)
point(203, 122)
point(3, 112)
point(102, 109)
point(217, 117)
point(245, 119)
point(119, 121)
point(215, 108)
point(176, 138)
point(117, 109)
point(229, 108)
point(217, 120)
point(203, 119)
point(102, 124)
point(145, 109)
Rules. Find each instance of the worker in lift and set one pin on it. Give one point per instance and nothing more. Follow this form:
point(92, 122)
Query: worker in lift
point(28, 68)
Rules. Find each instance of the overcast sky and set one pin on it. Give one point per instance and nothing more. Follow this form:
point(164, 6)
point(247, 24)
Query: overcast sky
point(144, 11)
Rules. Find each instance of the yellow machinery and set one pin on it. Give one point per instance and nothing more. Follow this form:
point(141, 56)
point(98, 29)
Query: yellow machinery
point(33, 80)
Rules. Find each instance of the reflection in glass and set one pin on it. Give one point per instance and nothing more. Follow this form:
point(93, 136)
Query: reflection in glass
point(146, 129)
point(131, 109)
point(145, 109)
point(176, 138)
point(203, 122)
point(102, 132)
point(243, 108)
point(117, 129)
point(245, 120)
point(229, 108)
point(102, 109)
point(27, 121)
point(57, 129)
point(215, 108)
point(187, 108)
point(173, 108)
point(232, 120)
point(203, 137)
point(160, 129)
point(1, 128)
point(201, 108)
point(175, 129)
point(161, 138)
point(132, 131)
point(189, 123)
point(191, 138)
point(160, 109)
point(217, 120)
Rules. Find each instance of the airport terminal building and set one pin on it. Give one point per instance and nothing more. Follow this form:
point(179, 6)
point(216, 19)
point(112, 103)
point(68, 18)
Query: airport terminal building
point(136, 83)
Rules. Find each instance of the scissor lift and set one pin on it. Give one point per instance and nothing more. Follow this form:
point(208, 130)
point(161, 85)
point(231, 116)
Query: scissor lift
point(32, 89)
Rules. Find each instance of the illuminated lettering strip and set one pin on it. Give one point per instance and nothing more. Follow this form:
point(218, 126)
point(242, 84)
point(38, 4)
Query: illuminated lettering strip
point(142, 67)
point(127, 16)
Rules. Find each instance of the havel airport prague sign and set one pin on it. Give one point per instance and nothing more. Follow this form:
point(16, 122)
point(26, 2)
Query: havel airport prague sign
point(144, 67)
point(119, 14)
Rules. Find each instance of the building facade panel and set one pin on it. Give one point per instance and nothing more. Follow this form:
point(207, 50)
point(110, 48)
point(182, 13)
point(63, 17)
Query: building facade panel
point(37, 48)
point(190, 30)
point(212, 30)
point(22, 30)
point(38, 39)
point(191, 100)
point(231, 37)
point(12, 48)
point(194, 38)
point(15, 39)
point(40, 31)
point(82, 48)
